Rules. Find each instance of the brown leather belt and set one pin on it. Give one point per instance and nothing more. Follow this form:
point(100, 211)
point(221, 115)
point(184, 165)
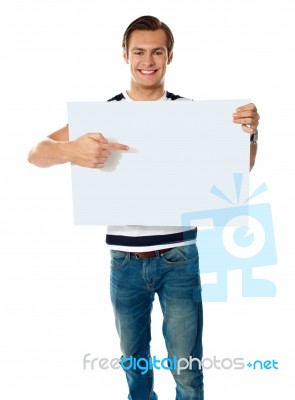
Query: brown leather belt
point(149, 254)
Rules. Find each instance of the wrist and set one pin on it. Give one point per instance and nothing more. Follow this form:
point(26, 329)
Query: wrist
point(254, 137)
point(65, 151)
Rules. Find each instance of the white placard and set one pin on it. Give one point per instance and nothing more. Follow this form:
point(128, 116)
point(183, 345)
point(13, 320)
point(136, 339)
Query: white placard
point(178, 151)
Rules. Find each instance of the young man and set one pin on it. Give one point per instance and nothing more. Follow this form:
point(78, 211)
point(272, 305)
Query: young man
point(148, 260)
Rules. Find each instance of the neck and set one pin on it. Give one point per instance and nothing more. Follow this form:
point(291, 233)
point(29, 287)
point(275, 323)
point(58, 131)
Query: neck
point(145, 93)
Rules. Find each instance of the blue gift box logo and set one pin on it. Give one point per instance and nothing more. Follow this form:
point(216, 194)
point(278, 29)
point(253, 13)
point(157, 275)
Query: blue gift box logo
point(239, 237)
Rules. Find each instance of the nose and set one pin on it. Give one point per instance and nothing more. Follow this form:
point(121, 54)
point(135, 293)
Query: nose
point(149, 58)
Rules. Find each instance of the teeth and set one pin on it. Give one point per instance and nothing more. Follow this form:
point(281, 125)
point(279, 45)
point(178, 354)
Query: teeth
point(147, 72)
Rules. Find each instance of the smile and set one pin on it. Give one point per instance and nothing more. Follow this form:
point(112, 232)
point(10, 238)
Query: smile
point(147, 71)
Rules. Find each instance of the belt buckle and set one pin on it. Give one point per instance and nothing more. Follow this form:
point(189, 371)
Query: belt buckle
point(146, 254)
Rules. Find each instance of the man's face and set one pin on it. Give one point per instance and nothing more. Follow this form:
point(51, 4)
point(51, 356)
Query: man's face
point(148, 57)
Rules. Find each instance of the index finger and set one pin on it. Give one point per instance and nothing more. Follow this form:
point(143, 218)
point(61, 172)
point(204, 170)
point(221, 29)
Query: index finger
point(115, 146)
point(247, 107)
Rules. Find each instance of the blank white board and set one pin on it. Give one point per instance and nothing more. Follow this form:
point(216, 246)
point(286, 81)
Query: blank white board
point(178, 151)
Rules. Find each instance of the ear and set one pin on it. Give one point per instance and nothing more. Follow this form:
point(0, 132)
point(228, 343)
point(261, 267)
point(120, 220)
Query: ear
point(170, 58)
point(125, 56)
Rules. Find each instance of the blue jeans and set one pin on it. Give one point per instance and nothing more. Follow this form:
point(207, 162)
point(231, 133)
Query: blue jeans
point(175, 277)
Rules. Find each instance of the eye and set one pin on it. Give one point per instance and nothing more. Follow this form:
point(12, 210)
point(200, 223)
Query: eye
point(138, 53)
point(158, 53)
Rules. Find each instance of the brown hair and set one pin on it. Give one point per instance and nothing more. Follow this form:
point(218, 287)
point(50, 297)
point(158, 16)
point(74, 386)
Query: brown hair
point(148, 23)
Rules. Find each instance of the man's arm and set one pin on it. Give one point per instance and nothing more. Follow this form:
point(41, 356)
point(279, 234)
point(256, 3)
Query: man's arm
point(248, 117)
point(91, 150)
point(253, 152)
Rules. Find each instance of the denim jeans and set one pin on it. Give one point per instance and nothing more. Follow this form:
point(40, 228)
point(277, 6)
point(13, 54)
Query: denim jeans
point(175, 277)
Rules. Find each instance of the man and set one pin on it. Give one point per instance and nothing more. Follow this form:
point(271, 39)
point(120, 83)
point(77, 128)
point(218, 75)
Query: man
point(148, 260)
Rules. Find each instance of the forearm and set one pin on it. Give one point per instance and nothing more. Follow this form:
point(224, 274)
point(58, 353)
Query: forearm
point(50, 152)
point(253, 152)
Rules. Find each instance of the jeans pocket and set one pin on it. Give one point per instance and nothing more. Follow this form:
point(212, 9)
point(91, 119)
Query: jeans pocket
point(180, 255)
point(119, 258)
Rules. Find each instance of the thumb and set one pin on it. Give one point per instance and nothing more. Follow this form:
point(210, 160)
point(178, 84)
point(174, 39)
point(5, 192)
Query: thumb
point(98, 137)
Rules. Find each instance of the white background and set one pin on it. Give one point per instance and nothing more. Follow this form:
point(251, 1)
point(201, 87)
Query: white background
point(55, 304)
